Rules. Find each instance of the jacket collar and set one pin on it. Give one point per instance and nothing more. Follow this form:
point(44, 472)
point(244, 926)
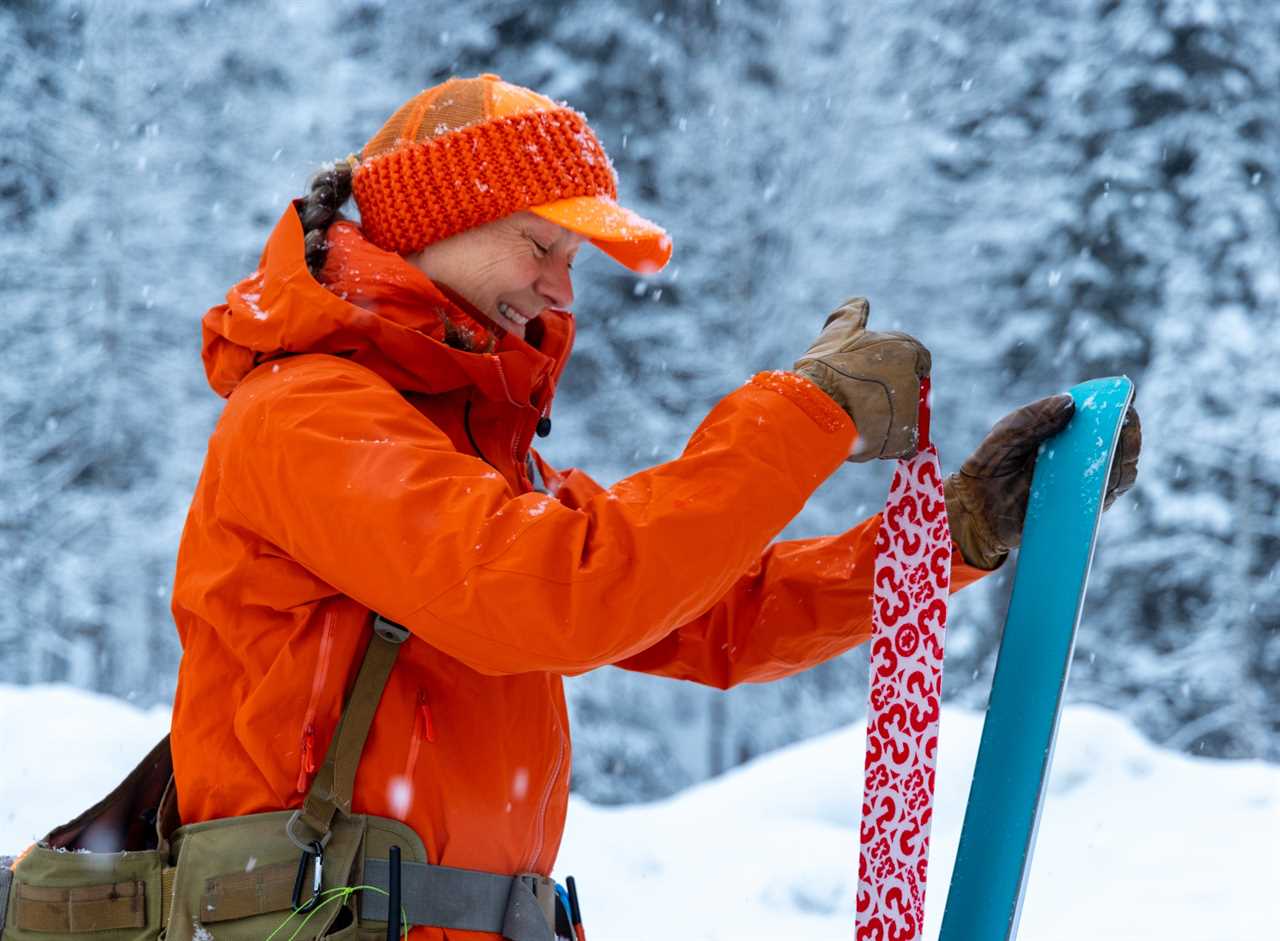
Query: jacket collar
point(376, 309)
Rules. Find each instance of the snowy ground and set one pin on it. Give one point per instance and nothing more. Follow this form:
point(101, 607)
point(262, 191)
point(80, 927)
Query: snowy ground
point(1136, 843)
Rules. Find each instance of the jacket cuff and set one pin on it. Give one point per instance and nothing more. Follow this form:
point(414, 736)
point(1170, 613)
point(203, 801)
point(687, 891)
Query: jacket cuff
point(807, 396)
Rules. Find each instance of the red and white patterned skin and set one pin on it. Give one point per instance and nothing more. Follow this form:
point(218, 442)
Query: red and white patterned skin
point(912, 577)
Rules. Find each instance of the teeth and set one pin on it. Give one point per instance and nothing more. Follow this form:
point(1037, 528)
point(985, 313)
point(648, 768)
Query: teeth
point(511, 314)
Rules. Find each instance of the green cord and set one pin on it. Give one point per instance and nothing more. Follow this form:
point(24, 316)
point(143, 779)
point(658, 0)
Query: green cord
point(339, 895)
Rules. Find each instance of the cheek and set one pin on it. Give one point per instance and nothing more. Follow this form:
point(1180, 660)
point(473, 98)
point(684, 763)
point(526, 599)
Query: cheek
point(518, 274)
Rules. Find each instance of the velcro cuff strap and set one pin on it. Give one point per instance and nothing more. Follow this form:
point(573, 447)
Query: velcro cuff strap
point(76, 909)
point(461, 899)
point(806, 395)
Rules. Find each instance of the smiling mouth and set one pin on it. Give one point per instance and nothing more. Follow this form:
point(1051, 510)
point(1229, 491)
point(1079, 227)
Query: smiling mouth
point(506, 310)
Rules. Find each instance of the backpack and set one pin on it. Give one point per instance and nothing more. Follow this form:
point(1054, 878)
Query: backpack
point(127, 870)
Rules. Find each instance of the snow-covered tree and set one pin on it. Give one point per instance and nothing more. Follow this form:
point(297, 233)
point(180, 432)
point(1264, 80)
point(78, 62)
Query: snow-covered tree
point(1042, 192)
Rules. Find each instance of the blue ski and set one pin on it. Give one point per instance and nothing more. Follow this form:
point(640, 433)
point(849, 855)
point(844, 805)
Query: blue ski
point(1005, 799)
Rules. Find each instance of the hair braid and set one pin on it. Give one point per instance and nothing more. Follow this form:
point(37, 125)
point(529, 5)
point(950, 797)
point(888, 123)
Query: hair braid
point(330, 189)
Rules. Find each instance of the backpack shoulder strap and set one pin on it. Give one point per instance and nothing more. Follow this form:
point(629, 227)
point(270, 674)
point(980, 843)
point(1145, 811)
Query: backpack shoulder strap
point(331, 790)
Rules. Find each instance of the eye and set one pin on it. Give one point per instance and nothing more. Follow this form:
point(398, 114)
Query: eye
point(542, 250)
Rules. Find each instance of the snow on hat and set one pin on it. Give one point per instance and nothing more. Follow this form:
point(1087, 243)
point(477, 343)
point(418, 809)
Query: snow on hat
point(472, 150)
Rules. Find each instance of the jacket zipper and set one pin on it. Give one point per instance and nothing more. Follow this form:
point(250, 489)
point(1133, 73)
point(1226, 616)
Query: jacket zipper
point(308, 754)
point(423, 728)
point(402, 786)
point(522, 441)
point(540, 822)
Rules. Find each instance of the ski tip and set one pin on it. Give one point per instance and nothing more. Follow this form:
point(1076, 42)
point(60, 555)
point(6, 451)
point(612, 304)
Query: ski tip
point(1111, 392)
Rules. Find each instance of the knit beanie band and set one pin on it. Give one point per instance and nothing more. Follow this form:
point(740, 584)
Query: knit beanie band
point(425, 192)
point(471, 151)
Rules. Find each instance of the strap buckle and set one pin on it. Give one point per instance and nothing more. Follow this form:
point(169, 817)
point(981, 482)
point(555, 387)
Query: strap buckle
point(304, 845)
point(316, 849)
point(544, 892)
point(389, 631)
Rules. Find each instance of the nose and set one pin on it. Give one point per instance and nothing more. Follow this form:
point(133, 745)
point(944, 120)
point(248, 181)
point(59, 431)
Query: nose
point(555, 284)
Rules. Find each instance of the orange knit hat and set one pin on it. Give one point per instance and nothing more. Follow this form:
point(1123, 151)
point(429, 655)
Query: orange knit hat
point(472, 150)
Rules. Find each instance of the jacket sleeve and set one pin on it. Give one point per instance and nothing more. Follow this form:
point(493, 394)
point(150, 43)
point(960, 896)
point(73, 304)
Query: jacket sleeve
point(345, 477)
point(802, 603)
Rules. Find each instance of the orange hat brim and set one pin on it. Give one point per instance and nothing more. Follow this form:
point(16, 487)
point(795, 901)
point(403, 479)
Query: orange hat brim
point(627, 238)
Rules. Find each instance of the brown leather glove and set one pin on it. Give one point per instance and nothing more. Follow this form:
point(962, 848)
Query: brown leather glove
point(1124, 469)
point(874, 377)
point(987, 499)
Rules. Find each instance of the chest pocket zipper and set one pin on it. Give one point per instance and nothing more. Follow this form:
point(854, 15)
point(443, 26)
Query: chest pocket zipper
point(424, 728)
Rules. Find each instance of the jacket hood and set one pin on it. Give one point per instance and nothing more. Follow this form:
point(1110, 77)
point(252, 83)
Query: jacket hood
point(376, 309)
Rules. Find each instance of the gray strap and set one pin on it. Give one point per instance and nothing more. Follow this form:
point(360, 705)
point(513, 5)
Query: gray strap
point(6, 880)
point(461, 899)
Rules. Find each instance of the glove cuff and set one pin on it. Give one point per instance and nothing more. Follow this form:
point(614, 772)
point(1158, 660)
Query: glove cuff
point(969, 528)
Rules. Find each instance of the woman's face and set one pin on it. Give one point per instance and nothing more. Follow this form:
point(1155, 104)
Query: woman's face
point(511, 270)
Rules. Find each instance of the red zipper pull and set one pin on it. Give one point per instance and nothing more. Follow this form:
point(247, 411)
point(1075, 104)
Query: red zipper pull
point(424, 716)
point(308, 763)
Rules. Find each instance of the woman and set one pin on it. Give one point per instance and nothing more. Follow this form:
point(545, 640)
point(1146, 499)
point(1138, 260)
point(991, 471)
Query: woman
point(384, 383)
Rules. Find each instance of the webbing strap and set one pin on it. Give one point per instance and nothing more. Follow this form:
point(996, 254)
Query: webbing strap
point(167, 877)
point(514, 907)
point(519, 908)
point(80, 909)
point(334, 782)
point(6, 880)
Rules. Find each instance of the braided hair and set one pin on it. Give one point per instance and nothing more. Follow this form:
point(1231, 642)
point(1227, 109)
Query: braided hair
point(330, 189)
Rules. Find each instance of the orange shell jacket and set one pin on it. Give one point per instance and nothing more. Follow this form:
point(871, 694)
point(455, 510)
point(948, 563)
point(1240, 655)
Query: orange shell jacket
point(345, 476)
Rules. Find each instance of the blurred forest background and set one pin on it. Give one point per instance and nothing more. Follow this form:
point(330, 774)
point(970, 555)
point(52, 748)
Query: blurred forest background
point(1042, 192)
